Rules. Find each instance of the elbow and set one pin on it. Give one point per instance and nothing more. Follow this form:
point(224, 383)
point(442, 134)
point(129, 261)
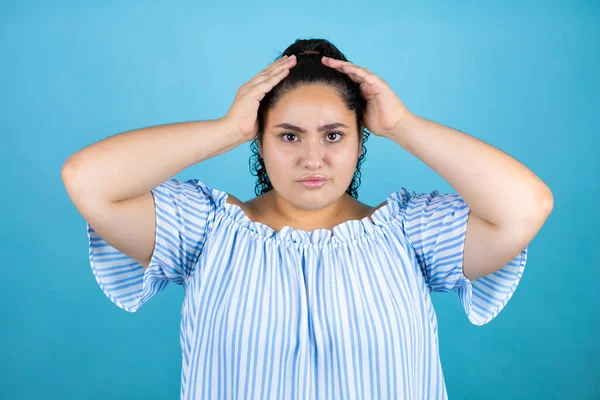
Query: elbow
point(70, 169)
point(66, 172)
point(528, 220)
point(545, 203)
point(69, 176)
point(544, 207)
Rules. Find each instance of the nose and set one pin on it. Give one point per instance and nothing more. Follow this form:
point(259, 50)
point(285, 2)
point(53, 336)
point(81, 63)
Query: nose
point(312, 156)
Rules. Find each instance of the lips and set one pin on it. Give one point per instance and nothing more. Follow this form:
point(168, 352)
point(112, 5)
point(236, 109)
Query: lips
point(313, 179)
point(313, 183)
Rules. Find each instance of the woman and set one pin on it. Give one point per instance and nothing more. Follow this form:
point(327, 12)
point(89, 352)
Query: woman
point(304, 291)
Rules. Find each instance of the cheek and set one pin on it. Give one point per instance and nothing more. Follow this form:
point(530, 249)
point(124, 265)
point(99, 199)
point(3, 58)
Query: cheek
point(278, 162)
point(282, 156)
point(344, 158)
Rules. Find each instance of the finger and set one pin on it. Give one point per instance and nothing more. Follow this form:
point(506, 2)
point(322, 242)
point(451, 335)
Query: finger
point(273, 80)
point(344, 66)
point(361, 74)
point(335, 62)
point(282, 61)
point(276, 72)
point(339, 64)
point(274, 69)
point(353, 76)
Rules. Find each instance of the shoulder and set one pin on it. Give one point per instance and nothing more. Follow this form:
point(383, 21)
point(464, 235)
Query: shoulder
point(364, 210)
point(251, 207)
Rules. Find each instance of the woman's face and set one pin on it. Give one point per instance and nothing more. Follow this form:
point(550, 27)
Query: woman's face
point(292, 153)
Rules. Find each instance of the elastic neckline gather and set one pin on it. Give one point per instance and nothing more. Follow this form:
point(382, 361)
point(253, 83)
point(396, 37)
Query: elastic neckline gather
point(346, 232)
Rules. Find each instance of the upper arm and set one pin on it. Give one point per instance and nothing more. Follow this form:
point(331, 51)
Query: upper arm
point(488, 247)
point(129, 226)
point(459, 251)
point(485, 248)
point(138, 246)
point(448, 238)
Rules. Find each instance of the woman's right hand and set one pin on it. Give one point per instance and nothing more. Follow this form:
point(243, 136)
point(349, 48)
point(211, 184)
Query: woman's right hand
point(244, 110)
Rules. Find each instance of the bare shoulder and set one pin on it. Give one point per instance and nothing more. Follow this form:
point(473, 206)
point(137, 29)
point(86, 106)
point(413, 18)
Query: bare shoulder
point(257, 209)
point(367, 210)
point(249, 208)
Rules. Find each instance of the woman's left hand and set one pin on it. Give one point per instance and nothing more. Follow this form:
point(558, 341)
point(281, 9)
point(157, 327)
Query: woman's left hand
point(384, 109)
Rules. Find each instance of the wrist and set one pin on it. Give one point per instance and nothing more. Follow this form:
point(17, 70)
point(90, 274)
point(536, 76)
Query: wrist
point(402, 128)
point(232, 130)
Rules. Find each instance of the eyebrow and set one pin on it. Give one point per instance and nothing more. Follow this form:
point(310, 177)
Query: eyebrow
point(301, 130)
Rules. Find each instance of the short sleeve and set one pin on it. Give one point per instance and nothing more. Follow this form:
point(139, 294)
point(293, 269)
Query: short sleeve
point(436, 225)
point(182, 211)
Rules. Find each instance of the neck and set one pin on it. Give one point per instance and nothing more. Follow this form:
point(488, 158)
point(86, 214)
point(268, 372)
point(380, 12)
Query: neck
point(308, 219)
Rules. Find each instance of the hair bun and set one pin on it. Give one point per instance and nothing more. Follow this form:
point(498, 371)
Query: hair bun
point(306, 52)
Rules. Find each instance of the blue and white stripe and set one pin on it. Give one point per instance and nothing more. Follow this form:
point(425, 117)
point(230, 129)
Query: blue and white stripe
point(291, 314)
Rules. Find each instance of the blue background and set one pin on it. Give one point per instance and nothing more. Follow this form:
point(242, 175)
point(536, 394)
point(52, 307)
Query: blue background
point(521, 76)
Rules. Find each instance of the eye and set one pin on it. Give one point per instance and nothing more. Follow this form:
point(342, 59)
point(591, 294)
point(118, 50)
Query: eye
point(329, 134)
point(338, 134)
point(288, 134)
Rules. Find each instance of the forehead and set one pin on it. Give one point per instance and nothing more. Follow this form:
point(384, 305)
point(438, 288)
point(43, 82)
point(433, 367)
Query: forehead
point(317, 104)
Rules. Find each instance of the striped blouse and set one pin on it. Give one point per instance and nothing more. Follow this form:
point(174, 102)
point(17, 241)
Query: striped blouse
point(295, 314)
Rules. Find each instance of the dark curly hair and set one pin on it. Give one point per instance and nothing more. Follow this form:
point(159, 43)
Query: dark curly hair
point(310, 70)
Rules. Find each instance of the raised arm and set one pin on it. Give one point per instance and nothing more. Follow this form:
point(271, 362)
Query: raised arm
point(110, 181)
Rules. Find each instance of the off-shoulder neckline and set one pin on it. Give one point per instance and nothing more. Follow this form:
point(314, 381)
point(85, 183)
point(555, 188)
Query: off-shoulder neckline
point(346, 232)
